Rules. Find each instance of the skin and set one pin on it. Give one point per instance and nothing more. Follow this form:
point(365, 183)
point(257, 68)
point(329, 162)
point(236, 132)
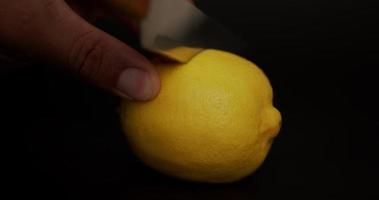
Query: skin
point(60, 32)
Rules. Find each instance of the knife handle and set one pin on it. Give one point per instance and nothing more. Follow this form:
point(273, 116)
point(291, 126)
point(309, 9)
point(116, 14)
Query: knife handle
point(136, 9)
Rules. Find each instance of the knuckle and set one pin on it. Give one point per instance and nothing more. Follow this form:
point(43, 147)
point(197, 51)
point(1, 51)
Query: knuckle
point(52, 10)
point(86, 56)
point(48, 3)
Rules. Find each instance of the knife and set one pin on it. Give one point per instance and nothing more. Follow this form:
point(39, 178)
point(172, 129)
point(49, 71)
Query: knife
point(176, 29)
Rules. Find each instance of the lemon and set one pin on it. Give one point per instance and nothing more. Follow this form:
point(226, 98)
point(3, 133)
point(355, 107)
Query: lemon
point(213, 120)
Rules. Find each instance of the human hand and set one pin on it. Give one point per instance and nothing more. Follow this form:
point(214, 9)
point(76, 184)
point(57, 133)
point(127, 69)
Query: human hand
point(58, 31)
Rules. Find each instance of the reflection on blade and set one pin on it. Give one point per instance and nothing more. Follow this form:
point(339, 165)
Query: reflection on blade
point(179, 30)
point(174, 50)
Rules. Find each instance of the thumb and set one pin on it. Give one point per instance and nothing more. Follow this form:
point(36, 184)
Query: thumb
point(51, 30)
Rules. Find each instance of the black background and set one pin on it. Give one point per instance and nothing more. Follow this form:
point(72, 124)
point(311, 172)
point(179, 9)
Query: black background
point(62, 137)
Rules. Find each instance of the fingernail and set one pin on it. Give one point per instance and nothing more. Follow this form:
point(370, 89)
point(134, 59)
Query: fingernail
point(135, 84)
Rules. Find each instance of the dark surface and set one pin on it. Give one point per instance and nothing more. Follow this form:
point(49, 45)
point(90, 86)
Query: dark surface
point(63, 137)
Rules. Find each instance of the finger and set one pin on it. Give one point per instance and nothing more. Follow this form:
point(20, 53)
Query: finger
point(51, 30)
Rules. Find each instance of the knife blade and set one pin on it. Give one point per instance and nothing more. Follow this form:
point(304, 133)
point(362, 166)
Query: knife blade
point(177, 29)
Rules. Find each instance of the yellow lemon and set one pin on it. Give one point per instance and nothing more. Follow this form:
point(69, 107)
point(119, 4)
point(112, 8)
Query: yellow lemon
point(213, 120)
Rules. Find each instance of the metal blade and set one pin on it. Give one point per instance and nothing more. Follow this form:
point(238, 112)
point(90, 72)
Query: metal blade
point(178, 30)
